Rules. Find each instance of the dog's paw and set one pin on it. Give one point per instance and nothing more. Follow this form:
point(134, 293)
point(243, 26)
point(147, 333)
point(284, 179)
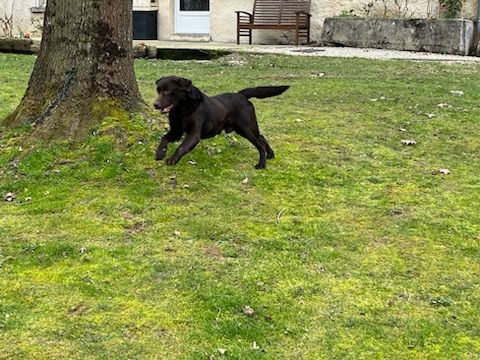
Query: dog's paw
point(160, 154)
point(260, 166)
point(171, 161)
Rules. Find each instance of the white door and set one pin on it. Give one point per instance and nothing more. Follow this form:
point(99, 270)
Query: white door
point(192, 16)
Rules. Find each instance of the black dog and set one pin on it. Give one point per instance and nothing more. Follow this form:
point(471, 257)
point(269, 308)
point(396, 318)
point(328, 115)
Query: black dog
point(200, 116)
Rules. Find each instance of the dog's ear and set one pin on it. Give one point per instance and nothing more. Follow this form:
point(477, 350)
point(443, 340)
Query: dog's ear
point(194, 93)
point(184, 83)
point(191, 91)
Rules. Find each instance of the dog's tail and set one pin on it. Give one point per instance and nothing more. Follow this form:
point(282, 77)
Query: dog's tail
point(263, 92)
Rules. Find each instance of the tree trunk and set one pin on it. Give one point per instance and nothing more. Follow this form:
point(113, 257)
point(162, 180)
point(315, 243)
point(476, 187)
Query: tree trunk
point(85, 66)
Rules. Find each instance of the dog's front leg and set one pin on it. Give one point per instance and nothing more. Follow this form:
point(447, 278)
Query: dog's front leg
point(190, 141)
point(171, 136)
point(162, 148)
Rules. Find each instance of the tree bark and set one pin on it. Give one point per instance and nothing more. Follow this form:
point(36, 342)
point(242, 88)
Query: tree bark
point(85, 66)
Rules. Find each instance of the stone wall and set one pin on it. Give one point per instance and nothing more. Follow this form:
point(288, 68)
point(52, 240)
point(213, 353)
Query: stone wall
point(431, 35)
point(26, 18)
point(412, 9)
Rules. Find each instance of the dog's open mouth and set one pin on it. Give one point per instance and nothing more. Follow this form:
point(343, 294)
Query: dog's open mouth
point(167, 109)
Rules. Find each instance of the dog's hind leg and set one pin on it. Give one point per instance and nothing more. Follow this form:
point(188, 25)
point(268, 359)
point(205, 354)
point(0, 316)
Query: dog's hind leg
point(258, 143)
point(262, 162)
point(270, 153)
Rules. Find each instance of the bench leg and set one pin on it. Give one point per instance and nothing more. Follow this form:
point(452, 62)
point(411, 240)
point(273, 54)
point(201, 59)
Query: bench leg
point(248, 34)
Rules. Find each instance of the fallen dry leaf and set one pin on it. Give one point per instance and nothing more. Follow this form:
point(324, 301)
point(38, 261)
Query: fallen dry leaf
point(444, 105)
point(248, 310)
point(10, 196)
point(409, 142)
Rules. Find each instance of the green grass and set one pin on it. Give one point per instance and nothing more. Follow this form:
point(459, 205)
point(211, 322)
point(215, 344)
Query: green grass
point(349, 245)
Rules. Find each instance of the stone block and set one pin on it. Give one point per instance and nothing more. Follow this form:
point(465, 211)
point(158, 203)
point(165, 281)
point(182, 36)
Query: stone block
point(437, 36)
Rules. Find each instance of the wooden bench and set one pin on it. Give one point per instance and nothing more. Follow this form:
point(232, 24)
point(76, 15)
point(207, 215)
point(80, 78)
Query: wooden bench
point(276, 15)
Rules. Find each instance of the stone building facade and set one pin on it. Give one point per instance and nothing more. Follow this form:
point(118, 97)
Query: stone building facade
point(214, 20)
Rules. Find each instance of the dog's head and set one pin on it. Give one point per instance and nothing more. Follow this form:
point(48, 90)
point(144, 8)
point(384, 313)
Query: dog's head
point(173, 91)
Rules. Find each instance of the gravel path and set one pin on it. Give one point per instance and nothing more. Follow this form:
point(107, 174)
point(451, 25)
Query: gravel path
point(361, 53)
point(313, 51)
